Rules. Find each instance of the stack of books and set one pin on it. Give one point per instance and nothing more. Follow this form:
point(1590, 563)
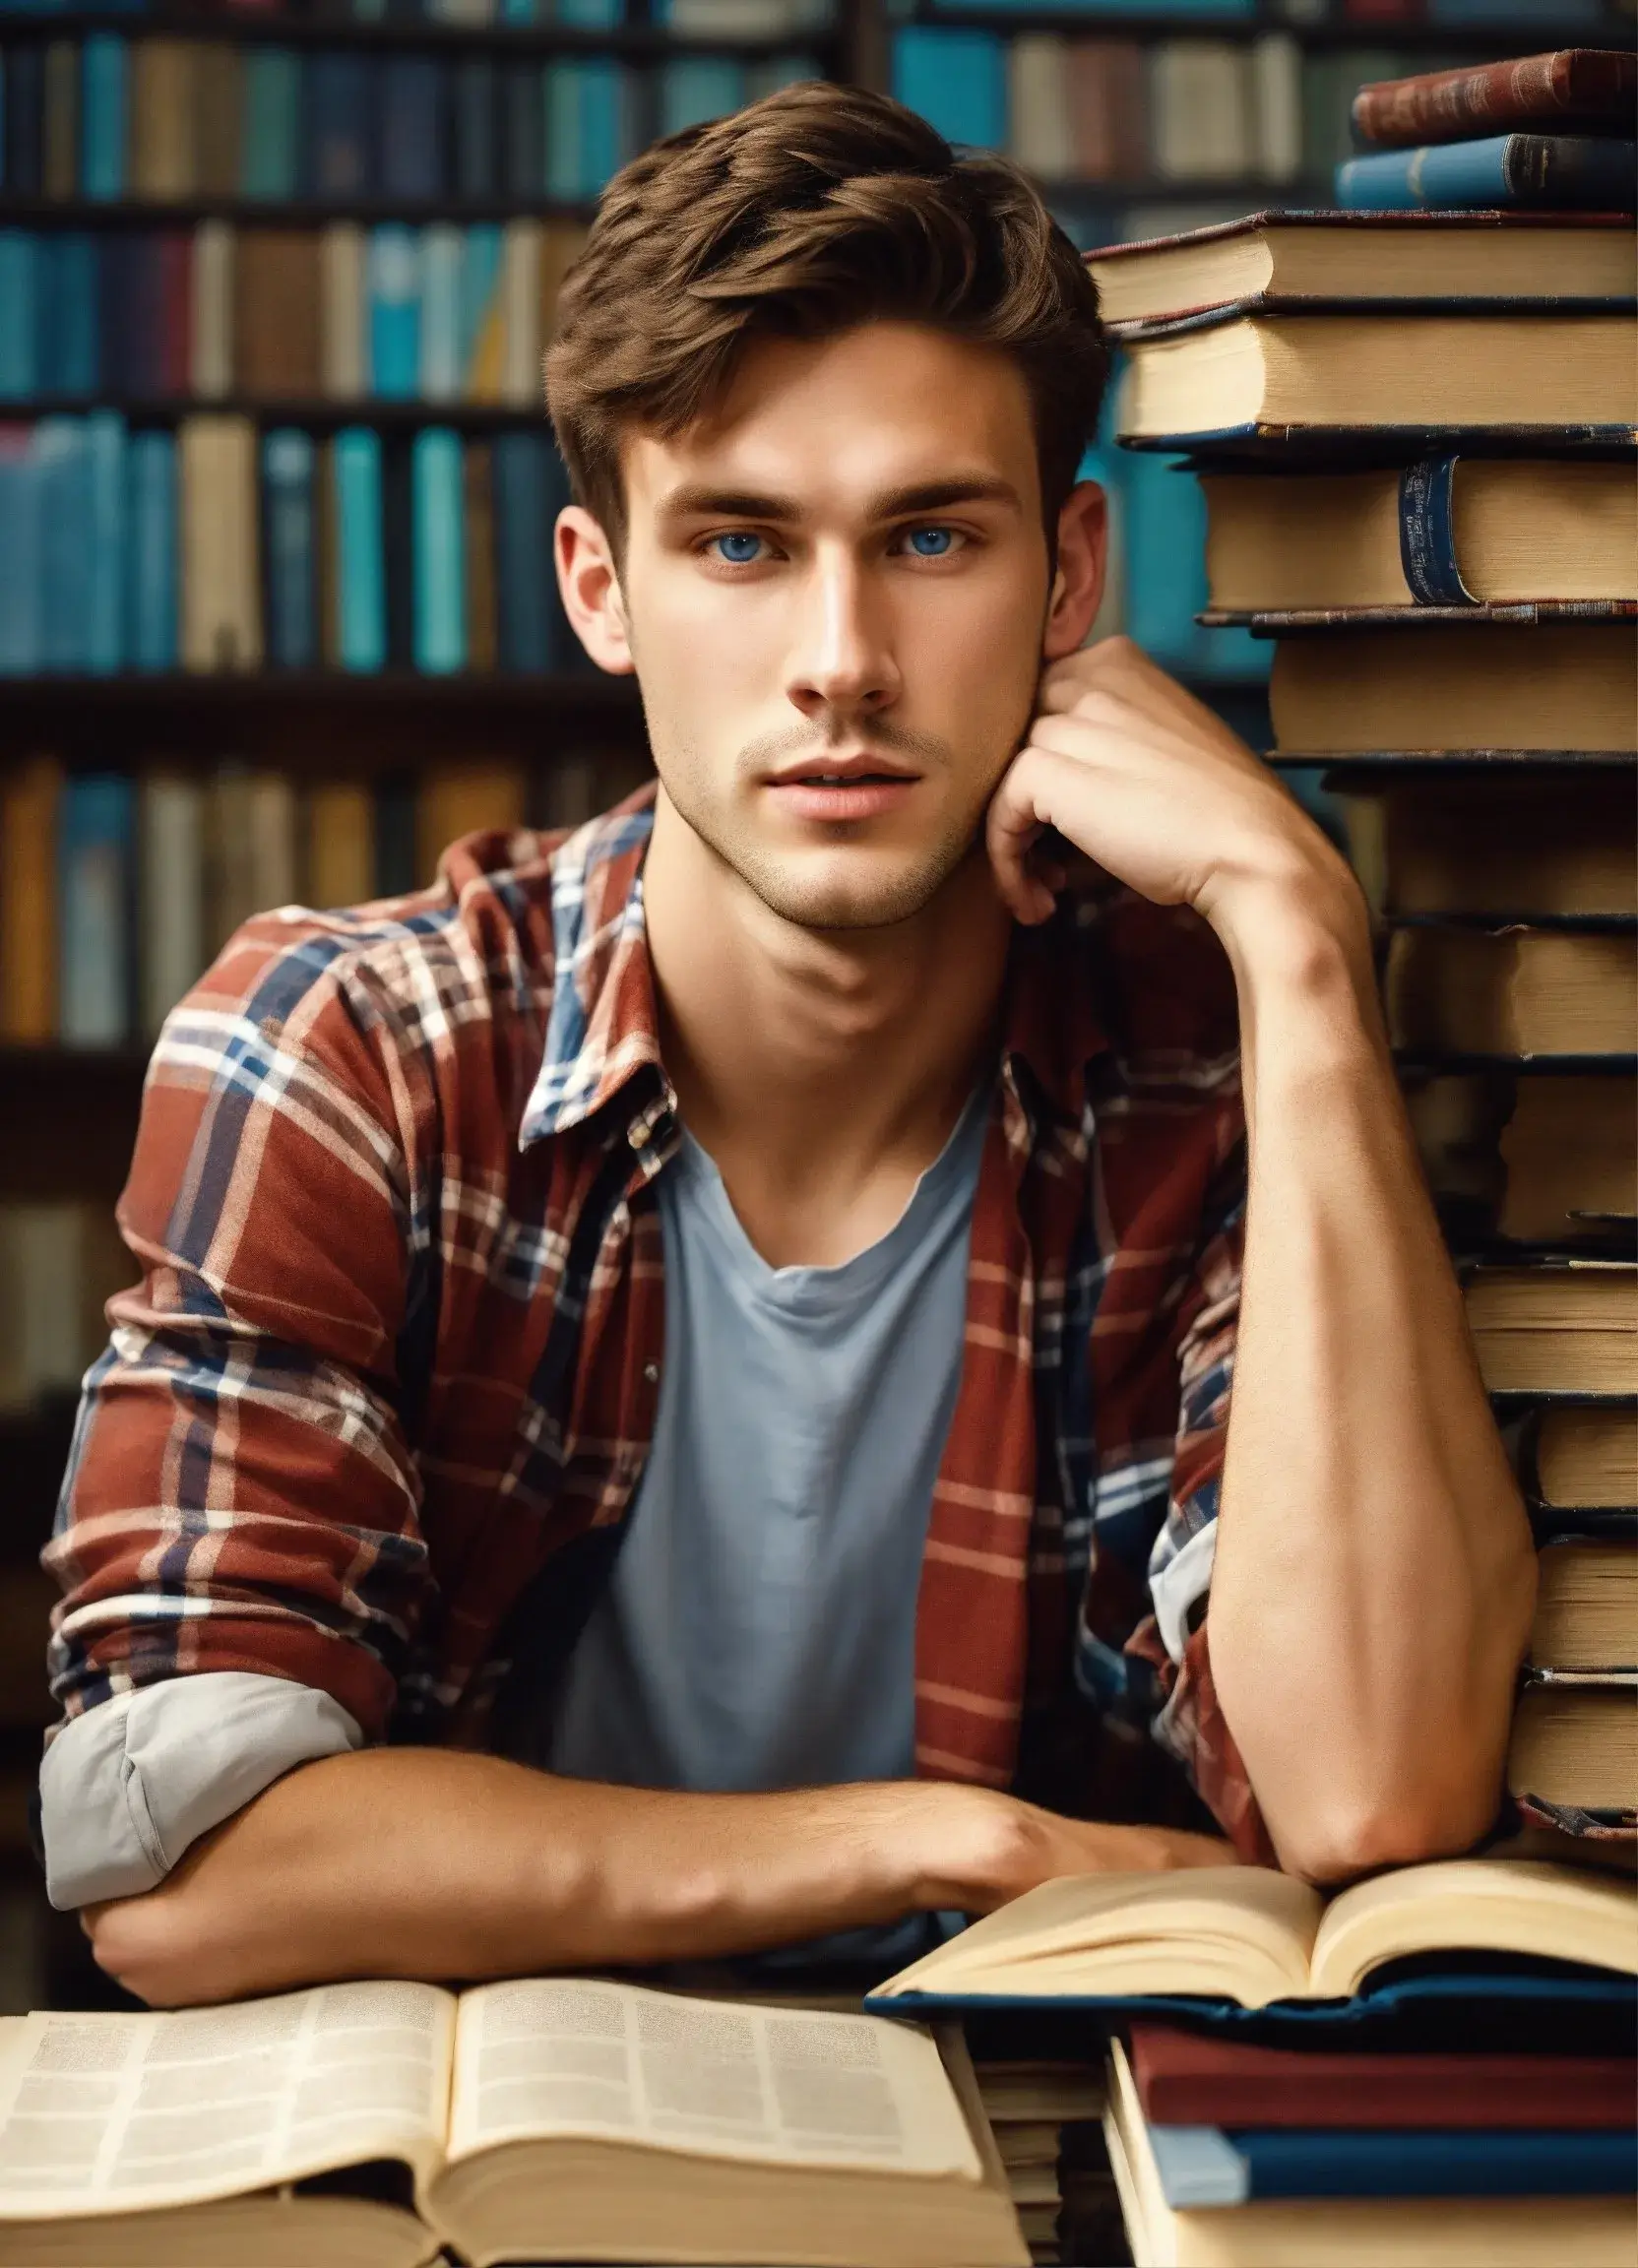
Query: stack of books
point(1434, 2067)
point(1416, 440)
point(1568, 139)
point(1038, 2111)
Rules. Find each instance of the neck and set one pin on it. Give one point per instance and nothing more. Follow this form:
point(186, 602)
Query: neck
point(839, 1053)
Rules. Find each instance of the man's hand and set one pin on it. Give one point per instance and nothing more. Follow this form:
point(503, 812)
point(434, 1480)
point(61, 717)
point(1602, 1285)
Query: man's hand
point(983, 1848)
point(1145, 781)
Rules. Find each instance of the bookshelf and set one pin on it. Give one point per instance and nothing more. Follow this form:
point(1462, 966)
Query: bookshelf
point(68, 1114)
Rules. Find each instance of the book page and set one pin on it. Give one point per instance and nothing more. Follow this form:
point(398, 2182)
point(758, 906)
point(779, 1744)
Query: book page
point(114, 2113)
point(1477, 1905)
point(577, 2056)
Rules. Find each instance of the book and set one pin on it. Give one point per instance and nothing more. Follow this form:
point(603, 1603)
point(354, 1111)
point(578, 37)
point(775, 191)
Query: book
point(210, 360)
point(1586, 1609)
point(105, 105)
point(340, 851)
point(20, 314)
point(1512, 991)
point(1575, 1743)
point(1586, 1455)
point(478, 527)
point(344, 353)
point(524, 515)
point(276, 314)
point(31, 803)
point(1327, 258)
point(1526, 846)
point(103, 650)
point(149, 563)
point(289, 538)
point(22, 544)
point(163, 157)
point(539, 2118)
point(221, 600)
point(393, 284)
point(360, 582)
point(171, 893)
point(269, 159)
point(955, 78)
point(1202, 127)
point(1570, 1155)
point(1364, 2232)
point(1204, 2167)
point(95, 850)
point(1191, 2079)
point(1574, 89)
point(1505, 172)
point(438, 551)
point(1476, 685)
point(1256, 374)
point(1441, 531)
point(1254, 1937)
point(1562, 1327)
point(456, 799)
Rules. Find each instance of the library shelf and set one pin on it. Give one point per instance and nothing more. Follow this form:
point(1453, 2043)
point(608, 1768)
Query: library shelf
point(129, 212)
point(635, 43)
point(228, 688)
point(1500, 35)
point(323, 414)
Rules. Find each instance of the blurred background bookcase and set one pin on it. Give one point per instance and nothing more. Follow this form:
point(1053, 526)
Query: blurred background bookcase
point(277, 610)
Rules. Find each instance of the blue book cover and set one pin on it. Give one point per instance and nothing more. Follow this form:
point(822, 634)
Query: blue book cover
point(443, 256)
point(104, 542)
point(1537, 172)
point(584, 122)
point(20, 554)
point(392, 281)
point(695, 88)
point(25, 98)
point(956, 79)
point(71, 312)
point(518, 12)
point(361, 577)
point(1204, 2167)
point(1543, 17)
point(588, 14)
point(63, 468)
point(475, 129)
point(481, 259)
point(339, 159)
point(150, 589)
point(103, 114)
point(95, 850)
point(288, 534)
point(413, 141)
point(270, 149)
point(20, 313)
point(524, 519)
point(439, 551)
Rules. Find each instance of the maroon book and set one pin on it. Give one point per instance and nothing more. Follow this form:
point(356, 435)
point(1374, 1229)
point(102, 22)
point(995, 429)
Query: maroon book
point(176, 313)
point(1573, 90)
point(1186, 2080)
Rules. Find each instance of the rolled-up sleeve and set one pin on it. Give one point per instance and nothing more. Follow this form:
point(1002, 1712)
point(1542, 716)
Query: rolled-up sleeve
point(241, 1509)
point(127, 1787)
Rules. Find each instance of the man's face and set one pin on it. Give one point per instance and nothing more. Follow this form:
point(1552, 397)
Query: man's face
point(835, 594)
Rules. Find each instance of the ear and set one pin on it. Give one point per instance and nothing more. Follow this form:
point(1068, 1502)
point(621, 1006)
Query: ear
point(591, 591)
point(1083, 558)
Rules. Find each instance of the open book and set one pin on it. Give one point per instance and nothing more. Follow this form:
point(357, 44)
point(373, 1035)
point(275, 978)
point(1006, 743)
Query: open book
point(544, 2118)
point(1251, 1936)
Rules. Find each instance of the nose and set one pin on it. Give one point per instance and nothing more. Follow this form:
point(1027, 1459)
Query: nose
point(843, 661)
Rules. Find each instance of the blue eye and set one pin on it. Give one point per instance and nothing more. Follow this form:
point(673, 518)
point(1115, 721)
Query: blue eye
point(738, 558)
point(941, 541)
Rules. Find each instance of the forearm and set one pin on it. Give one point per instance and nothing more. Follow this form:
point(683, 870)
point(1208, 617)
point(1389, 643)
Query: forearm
point(1374, 1577)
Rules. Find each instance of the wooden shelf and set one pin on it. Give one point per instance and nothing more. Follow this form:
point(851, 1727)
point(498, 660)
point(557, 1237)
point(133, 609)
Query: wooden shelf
point(228, 689)
point(634, 42)
point(280, 211)
point(1502, 37)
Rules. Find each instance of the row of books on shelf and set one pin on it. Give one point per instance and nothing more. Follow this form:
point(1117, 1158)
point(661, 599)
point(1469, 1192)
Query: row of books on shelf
point(103, 118)
point(221, 546)
point(715, 19)
point(341, 313)
point(118, 889)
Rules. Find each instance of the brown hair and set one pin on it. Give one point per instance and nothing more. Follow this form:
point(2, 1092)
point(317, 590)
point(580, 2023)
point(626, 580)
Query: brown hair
point(817, 209)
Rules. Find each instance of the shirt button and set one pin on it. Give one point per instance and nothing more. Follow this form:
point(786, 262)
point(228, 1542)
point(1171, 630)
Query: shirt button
point(650, 1372)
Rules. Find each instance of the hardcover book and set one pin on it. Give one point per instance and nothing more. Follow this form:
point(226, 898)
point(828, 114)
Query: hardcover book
point(539, 2120)
point(1505, 172)
point(1512, 991)
point(1559, 1327)
point(1570, 90)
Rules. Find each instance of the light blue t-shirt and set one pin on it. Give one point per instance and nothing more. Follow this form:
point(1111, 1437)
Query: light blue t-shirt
point(758, 1630)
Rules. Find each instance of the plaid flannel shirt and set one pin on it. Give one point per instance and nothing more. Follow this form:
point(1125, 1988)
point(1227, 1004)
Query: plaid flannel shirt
point(376, 1412)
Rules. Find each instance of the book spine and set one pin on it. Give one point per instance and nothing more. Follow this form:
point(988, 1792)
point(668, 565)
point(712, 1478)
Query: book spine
point(73, 360)
point(1457, 105)
point(442, 248)
point(520, 498)
point(520, 378)
point(19, 552)
point(475, 130)
point(270, 163)
point(398, 531)
point(151, 562)
point(30, 799)
point(171, 895)
point(104, 106)
point(483, 313)
point(343, 353)
point(1427, 533)
point(64, 507)
point(95, 903)
point(394, 294)
point(24, 121)
point(360, 594)
point(104, 542)
point(1561, 172)
point(439, 551)
point(288, 525)
point(20, 314)
point(956, 79)
point(212, 310)
point(413, 128)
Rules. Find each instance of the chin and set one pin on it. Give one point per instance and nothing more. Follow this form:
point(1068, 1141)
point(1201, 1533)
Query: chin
point(850, 891)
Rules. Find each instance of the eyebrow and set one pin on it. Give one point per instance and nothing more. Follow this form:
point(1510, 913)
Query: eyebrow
point(700, 501)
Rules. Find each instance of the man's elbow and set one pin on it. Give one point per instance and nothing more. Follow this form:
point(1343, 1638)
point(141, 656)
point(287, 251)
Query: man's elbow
point(1344, 1840)
point(135, 1942)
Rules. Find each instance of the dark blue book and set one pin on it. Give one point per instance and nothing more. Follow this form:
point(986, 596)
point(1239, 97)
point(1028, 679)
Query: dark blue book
point(104, 542)
point(97, 847)
point(475, 130)
point(25, 170)
point(63, 468)
point(1549, 173)
point(289, 548)
point(524, 578)
point(116, 268)
point(397, 536)
point(21, 310)
point(137, 359)
point(151, 587)
point(270, 149)
point(1203, 2166)
point(339, 141)
point(523, 128)
point(103, 114)
point(414, 106)
point(19, 552)
point(70, 313)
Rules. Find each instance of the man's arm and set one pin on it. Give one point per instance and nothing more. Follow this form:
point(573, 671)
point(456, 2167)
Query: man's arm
point(1374, 1580)
point(440, 1863)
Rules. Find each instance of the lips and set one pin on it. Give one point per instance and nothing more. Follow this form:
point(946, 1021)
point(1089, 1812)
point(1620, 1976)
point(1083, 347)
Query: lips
point(843, 771)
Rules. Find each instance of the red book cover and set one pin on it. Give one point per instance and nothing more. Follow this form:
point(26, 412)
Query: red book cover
point(1571, 91)
point(175, 313)
point(1186, 2080)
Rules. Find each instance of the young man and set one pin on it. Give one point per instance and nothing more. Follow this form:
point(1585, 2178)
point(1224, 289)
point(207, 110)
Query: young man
point(678, 1399)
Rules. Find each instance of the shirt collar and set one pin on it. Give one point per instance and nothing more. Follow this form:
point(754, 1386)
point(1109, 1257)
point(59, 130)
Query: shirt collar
point(602, 1032)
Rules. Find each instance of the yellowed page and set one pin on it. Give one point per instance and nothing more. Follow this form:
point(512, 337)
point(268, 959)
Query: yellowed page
point(578, 2055)
point(1476, 1905)
point(1248, 1919)
point(109, 2113)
